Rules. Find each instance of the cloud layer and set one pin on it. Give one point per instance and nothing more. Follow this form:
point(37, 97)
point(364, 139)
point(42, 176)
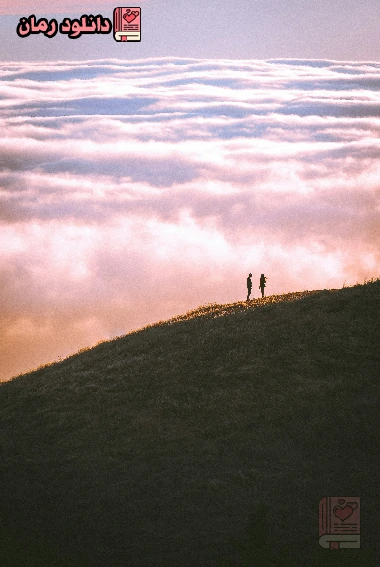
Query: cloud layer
point(133, 191)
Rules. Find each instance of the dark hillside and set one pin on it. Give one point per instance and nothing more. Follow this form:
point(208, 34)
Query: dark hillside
point(207, 440)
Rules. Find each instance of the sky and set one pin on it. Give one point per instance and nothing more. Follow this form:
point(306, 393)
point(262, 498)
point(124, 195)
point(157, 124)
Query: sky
point(142, 180)
point(243, 29)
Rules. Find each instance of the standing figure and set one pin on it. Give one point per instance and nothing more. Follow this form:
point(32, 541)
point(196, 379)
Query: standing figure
point(263, 279)
point(249, 286)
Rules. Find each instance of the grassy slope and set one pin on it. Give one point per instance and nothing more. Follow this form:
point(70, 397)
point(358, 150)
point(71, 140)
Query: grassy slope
point(194, 441)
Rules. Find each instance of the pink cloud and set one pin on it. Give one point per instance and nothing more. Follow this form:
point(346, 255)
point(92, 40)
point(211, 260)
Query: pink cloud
point(120, 210)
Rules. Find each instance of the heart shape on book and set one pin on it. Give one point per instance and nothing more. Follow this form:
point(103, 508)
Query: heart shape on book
point(344, 512)
point(130, 16)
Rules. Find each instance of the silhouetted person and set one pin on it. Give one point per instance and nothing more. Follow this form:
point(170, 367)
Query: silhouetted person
point(263, 279)
point(249, 286)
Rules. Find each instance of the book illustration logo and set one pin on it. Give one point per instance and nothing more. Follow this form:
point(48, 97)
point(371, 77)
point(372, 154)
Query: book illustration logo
point(127, 24)
point(339, 522)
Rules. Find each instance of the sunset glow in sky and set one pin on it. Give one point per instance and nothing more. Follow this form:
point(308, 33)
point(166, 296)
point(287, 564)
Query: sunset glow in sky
point(136, 187)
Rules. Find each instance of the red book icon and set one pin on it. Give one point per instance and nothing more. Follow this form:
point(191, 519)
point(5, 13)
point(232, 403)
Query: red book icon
point(127, 24)
point(339, 522)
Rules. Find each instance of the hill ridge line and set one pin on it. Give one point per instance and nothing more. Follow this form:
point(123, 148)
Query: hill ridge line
point(208, 310)
point(212, 310)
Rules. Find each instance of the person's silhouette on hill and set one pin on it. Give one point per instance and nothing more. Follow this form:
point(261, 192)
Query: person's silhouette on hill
point(263, 280)
point(249, 286)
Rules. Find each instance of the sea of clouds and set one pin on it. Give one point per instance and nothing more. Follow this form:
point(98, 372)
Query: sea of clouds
point(134, 191)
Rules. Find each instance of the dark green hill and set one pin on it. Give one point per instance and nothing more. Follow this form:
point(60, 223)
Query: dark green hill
point(207, 440)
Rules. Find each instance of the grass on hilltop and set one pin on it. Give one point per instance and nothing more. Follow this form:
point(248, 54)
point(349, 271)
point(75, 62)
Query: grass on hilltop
point(208, 439)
